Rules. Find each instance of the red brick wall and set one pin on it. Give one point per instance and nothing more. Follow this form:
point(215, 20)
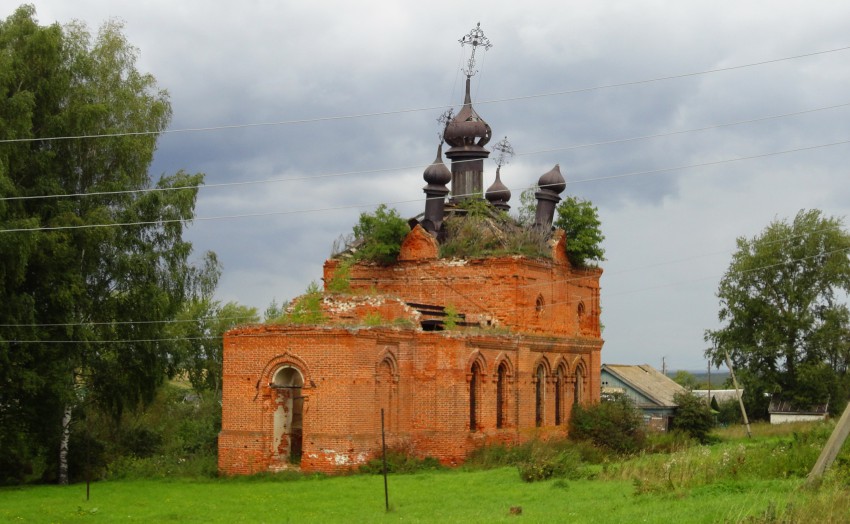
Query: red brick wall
point(504, 291)
point(532, 313)
point(344, 381)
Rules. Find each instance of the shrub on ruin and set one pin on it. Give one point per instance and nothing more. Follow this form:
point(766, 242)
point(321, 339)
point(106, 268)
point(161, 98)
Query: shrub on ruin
point(615, 424)
point(378, 236)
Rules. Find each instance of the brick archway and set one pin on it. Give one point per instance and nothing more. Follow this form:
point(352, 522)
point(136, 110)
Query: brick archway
point(287, 418)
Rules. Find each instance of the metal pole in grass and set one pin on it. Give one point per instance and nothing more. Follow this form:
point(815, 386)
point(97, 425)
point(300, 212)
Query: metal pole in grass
point(738, 394)
point(384, 448)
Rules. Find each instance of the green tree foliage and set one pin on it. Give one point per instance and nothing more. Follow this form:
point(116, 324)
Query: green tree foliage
point(580, 221)
point(274, 311)
point(784, 324)
point(616, 425)
point(70, 291)
point(199, 327)
point(686, 379)
point(527, 206)
point(693, 416)
point(379, 235)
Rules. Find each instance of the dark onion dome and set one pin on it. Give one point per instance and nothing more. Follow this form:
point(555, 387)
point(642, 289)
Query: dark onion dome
point(553, 180)
point(498, 192)
point(437, 174)
point(467, 128)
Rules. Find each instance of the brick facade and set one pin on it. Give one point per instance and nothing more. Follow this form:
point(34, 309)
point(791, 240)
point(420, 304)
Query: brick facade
point(527, 347)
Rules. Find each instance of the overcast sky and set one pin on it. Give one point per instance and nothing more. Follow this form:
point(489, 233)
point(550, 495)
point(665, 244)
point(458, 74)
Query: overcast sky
point(669, 235)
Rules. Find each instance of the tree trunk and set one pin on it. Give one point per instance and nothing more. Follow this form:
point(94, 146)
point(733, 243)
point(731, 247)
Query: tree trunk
point(63, 445)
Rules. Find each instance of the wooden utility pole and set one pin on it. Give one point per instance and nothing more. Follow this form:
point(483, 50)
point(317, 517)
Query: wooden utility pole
point(738, 394)
point(709, 384)
point(833, 446)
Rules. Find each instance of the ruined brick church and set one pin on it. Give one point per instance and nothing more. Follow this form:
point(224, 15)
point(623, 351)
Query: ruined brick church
point(457, 352)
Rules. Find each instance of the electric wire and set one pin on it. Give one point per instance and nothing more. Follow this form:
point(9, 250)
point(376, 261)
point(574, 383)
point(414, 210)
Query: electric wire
point(514, 310)
point(371, 205)
point(421, 166)
point(431, 108)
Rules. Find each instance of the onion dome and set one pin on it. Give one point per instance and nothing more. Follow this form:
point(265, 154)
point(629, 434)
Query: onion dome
point(437, 174)
point(553, 180)
point(467, 128)
point(498, 194)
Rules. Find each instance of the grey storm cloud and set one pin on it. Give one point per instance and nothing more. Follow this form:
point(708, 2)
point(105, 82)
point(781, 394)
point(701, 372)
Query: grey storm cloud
point(670, 234)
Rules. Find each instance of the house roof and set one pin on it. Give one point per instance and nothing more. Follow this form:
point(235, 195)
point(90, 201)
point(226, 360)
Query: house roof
point(721, 395)
point(781, 405)
point(647, 381)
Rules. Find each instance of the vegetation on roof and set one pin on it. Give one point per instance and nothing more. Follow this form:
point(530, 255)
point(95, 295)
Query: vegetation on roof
point(477, 229)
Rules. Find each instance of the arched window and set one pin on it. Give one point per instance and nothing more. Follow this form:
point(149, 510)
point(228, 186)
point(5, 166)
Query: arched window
point(289, 406)
point(578, 386)
point(560, 374)
point(539, 305)
point(539, 390)
point(501, 395)
point(474, 385)
point(387, 395)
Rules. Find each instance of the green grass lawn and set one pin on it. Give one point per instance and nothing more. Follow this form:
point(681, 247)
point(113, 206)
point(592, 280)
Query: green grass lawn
point(758, 480)
point(443, 496)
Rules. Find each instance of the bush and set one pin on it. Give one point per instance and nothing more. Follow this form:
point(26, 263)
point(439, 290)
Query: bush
point(379, 235)
point(729, 412)
point(615, 425)
point(485, 231)
point(580, 221)
point(547, 463)
point(693, 416)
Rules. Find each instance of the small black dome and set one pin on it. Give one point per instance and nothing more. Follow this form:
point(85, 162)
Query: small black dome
point(553, 181)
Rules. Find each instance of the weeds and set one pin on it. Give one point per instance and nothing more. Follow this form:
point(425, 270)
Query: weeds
point(401, 459)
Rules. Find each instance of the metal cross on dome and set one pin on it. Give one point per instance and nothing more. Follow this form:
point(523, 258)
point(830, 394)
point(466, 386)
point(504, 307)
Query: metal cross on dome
point(475, 38)
point(506, 152)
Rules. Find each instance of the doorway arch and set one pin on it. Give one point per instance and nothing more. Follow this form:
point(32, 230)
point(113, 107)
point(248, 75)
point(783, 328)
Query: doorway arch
point(288, 414)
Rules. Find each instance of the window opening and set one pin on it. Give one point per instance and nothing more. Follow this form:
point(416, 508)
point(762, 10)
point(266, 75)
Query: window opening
point(501, 406)
point(538, 396)
point(473, 396)
point(578, 386)
point(559, 384)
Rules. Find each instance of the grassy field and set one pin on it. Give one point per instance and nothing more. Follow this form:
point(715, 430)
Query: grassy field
point(733, 481)
point(445, 496)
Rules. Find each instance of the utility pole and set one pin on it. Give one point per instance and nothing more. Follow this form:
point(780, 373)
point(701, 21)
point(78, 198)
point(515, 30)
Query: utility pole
point(833, 446)
point(738, 394)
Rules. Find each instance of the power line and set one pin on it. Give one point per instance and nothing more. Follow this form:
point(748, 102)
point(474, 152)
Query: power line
point(431, 108)
point(368, 205)
point(436, 279)
point(420, 166)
